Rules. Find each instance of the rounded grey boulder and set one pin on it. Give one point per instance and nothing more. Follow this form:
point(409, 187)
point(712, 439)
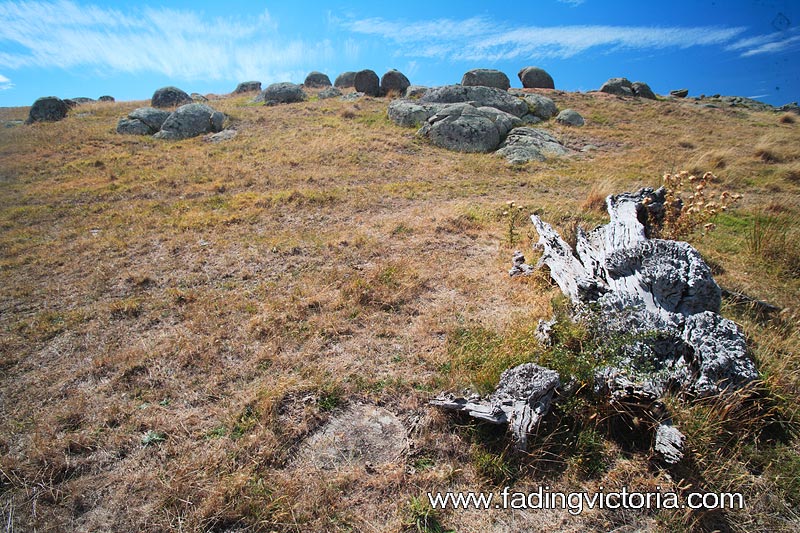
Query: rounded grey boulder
point(169, 97)
point(680, 93)
point(153, 118)
point(618, 86)
point(541, 106)
point(82, 100)
point(247, 87)
point(642, 90)
point(191, 120)
point(536, 78)
point(482, 96)
point(394, 81)
point(345, 79)
point(106, 98)
point(282, 93)
point(570, 117)
point(47, 109)
point(317, 79)
point(367, 82)
point(485, 77)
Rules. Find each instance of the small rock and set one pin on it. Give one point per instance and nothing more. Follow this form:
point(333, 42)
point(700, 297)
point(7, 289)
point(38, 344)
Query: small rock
point(47, 109)
point(351, 97)
point(535, 78)
point(224, 135)
point(330, 92)
point(317, 80)
point(680, 93)
point(486, 78)
point(367, 82)
point(169, 97)
point(570, 117)
point(82, 100)
point(345, 79)
point(197, 97)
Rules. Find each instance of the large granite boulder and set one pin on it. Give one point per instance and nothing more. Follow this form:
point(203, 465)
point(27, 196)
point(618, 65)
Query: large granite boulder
point(247, 87)
point(367, 82)
point(317, 80)
point(47, 109)
point(535, 78)
point(394, 81)
point(170, 97)
point(345, 79)
point(618, 86)
point(282, 93)
point(484, 77)
point(541, 106)
point(530, 144)
point(106, 98)
point(679, 93)
point(642, 90)
point(481, 96)
point(409, 113)
point(82, 100)
point(191, 120)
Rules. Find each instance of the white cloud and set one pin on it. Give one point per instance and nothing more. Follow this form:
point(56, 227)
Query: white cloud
point(5, 83)
point(573, 3)
point(176, 43)
point(480, 38)
point(766, 44)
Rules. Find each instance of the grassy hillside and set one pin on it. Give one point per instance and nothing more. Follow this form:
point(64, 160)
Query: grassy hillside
point(178, 317)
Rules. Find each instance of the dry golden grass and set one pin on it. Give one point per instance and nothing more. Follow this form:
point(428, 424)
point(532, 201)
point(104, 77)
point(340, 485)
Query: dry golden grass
point(178, 316)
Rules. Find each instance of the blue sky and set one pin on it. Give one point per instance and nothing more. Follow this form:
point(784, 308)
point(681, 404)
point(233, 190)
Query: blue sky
point(129, 49)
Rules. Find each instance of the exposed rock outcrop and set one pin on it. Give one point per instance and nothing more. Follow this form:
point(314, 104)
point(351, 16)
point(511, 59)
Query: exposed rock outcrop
point(480, 96)
point(540, 106)
point(191, 120)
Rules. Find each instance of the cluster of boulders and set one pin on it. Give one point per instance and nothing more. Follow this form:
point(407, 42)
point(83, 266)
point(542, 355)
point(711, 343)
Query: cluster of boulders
point(479, 118)
point(623, 87)
point(190, 119)
point(53, 108)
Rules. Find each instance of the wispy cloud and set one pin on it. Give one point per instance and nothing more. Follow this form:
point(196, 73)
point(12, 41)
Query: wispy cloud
point(5, 83)
point(766, 44)
point(573, 3)
point(176, 43)
point(481, 38)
